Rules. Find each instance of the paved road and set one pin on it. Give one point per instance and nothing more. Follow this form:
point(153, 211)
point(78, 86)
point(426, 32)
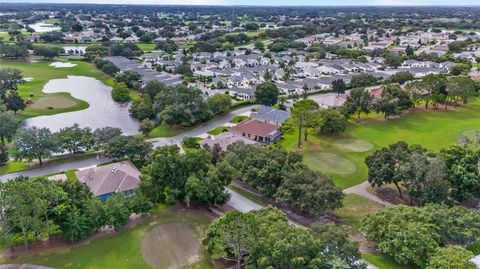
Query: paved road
point(200, 130)
point(56, 168)
point(361, 189)
point(157, 142)
point(240, 203)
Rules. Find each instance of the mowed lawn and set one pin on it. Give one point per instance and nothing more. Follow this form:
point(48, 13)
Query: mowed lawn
point(123, 250)
point(342, 156)
point(41, 73)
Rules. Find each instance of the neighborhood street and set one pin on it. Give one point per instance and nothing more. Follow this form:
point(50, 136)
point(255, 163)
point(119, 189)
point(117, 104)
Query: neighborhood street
point(157, 142)
point(56, 168)
point(202, 129)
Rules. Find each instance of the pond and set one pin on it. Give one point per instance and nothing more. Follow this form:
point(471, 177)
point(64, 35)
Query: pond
point(102, 112)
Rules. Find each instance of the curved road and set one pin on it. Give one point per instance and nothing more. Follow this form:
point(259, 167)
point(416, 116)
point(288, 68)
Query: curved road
point(157, 142)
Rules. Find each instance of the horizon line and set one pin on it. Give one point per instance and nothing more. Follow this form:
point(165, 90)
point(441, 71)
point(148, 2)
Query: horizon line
point(236, 5)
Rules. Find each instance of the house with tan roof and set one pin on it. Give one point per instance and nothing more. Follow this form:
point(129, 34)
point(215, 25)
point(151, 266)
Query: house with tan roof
point(103, 181)
point(257, 130)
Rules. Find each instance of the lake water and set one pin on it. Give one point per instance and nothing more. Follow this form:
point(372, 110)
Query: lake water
point(41, 27)
point(102, 112)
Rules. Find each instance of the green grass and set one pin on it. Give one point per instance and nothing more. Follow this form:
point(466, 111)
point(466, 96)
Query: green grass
point(146, 46)
point(355, 208)
point(71, 174)
point(13, 166)
point(218, 130)
point(432, 129)
point(247, 195)
point(120, 250)
point(163, 130)
point(384, 262)
point(238, 119)
point(41, 73)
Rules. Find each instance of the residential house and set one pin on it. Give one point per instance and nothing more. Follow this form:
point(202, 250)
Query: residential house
point(103, 181)
point(224, 140)
point(257, 130)
point(270, 115)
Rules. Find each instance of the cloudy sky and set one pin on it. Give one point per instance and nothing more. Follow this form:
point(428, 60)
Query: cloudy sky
point(266, 2)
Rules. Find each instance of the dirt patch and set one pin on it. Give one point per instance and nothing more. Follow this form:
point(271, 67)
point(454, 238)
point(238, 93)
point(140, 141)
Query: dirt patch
point(54, 102)
point(172, 245)
point(390, 194)
point(352, 145)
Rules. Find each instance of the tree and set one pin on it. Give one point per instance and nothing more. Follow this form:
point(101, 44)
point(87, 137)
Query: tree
point(128, 78)
point(388, 105)
point(117, 210)
point(359, 101)
point(47, 52)
point(331, 121)
point(139, 203)
point(14, 102)
point(105, 134)
point(142, 108)
point(401, 77)
point(339, 86)
point(384, 163)
point(461, 87)
point(146, 126)
point(259, 45)
point(8, 127)
point(394, 91)
point(26, 205)
point(451, 257)
point(136, 149)
point(75, 139)
point(219, 103)
point(95, 51)
point(232, 237)
point(411, 235)
point(10, 78)
point(425, 179)
point(266, 93)
point(434, 88)
point(303, 113)
point(190, 142)
point(462, 171)
point(363, 80)
point(34, 143)
point(120, 93)
point(188, 177)
point(3, 155)
point(310, 191)
point(393, 60)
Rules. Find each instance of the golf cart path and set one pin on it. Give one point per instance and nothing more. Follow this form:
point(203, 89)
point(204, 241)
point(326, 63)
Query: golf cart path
point(362, 190)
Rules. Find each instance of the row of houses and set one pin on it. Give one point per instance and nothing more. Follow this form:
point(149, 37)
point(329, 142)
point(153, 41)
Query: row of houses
point(147, 74)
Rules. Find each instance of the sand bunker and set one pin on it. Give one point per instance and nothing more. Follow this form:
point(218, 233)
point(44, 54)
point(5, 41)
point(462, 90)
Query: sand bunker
point(62, 65)
point(171, 246)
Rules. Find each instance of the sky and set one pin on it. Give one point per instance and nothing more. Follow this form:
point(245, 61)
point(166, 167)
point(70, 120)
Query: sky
point(270, 2)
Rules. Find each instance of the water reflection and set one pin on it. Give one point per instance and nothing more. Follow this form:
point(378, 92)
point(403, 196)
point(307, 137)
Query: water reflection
point(103, 111)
